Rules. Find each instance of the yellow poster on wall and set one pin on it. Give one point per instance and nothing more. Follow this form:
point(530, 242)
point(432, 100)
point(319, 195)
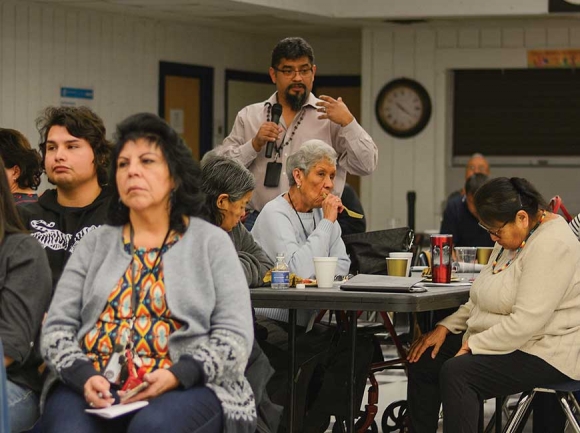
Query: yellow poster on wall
point(553, 58)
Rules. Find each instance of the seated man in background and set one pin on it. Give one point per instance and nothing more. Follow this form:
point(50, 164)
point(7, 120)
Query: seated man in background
point(476, 164)
point(75, 155)
point(461, 220)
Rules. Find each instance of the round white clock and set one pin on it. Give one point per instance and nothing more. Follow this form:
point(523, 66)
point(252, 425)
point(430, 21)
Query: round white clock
point(403, 108)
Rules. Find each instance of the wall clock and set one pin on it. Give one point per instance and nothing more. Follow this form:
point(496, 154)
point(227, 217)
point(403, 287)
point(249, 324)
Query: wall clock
point(403, 108)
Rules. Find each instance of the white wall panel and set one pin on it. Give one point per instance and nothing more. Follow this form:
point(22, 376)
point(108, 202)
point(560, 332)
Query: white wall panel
point(513, 38)
point(558, 37)
point(382, 181)
point(575, 37)
point(424, 156)
point(491, 38)
point(446, 38)
point(535, 38)
point(468, 38)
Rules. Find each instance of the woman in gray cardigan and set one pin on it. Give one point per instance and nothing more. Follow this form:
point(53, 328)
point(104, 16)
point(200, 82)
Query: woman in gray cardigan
point(520, 328)
point(164, 289)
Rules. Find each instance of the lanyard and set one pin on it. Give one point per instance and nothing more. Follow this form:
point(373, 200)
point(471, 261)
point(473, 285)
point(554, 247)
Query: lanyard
point(134, 292)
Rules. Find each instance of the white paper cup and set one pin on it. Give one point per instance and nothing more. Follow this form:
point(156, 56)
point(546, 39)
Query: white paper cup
point(325, 268)
point(408, 256)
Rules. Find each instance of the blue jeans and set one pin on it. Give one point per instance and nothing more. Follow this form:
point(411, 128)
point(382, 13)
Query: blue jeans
point(192, 410)
point(22, 407)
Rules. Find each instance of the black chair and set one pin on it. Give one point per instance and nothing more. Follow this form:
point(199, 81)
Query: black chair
point(564, 392)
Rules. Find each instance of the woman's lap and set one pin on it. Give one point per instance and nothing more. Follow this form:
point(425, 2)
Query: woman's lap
point(497, 375)
point(192, 410)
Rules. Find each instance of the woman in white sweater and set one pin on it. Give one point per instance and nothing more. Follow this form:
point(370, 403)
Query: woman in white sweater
point(521, 325)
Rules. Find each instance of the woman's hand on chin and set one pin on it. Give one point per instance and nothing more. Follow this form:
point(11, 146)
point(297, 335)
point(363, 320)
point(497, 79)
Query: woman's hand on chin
point(331, 207)
point(160, 381)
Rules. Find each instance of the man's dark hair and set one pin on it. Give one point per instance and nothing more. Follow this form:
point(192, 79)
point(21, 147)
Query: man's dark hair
point(474, 182)
point(187, 199)
point(15, 150)
point(80, 122)
point(291, 49)
point(9, 220)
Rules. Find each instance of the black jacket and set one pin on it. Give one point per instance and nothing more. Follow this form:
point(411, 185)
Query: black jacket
point(59, 228)
point(24, 297)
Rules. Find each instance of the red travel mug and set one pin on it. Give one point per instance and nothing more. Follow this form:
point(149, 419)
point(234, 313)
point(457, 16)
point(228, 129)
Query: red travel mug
point(441, 249)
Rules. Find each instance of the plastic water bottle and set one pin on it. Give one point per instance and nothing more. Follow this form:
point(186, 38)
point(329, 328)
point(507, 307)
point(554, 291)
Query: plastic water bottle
point(280, 273)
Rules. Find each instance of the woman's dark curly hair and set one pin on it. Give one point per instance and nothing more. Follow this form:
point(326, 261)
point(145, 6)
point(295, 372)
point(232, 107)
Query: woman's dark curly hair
point(80, 122)
point(187, 199)
point(500, 199)
point(15, 150)
point(9, 219)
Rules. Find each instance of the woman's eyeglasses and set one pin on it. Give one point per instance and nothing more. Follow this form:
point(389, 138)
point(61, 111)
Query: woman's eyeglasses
point(493, 232)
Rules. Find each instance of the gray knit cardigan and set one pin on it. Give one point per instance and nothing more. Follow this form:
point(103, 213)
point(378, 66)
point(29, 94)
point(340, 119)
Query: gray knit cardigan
point(206, 290)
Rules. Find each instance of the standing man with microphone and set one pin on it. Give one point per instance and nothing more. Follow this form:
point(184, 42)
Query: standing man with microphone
point(262, 144)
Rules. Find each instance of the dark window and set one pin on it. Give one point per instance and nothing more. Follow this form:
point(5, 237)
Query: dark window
point(517, 112)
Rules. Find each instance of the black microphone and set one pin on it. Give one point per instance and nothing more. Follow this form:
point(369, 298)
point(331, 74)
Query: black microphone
point(276, 113)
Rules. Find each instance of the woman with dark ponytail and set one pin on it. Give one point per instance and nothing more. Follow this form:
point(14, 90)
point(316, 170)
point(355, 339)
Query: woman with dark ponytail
point(521, 326)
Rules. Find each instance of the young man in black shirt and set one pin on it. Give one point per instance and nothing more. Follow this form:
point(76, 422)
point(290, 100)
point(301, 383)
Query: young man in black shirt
point(76, 156)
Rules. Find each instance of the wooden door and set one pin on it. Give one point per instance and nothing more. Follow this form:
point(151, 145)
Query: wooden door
point(186, 103)
point(182, 109)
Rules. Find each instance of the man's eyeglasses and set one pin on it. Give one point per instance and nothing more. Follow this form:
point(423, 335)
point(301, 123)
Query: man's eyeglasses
point(493, 232)
point(289, 72)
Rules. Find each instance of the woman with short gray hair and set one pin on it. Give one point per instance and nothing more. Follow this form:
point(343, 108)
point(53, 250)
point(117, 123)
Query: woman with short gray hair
point(228, 186)
point(309, 154)
point(302, 223)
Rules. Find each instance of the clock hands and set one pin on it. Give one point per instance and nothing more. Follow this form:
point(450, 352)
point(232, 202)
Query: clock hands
point(404, 110)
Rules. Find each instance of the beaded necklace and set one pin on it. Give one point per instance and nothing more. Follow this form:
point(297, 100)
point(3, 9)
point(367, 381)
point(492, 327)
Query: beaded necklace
point(300, 219)
point(521, 247)
point(282, 144)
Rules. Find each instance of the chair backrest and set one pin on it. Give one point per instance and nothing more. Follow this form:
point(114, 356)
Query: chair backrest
point(368, 250)
point(556, 205)
point(4, 416)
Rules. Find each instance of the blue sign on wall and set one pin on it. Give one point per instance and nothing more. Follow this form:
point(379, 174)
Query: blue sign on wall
point(72, 92)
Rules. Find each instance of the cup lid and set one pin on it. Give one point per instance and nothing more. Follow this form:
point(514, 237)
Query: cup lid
point(325, 259)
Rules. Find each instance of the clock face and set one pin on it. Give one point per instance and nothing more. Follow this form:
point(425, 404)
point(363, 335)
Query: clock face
point(403, 108)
